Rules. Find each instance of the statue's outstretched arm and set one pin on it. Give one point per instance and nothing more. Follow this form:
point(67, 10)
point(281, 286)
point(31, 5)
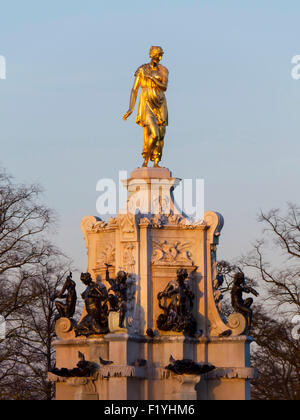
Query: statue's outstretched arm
point(254, 292)
point(107, 274)
point(247, 289)
point(133, 97)
point(109, 280)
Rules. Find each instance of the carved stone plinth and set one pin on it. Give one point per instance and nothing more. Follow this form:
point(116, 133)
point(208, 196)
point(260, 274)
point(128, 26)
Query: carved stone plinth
point(113, 323)
point(125, 379)
point(151, 240)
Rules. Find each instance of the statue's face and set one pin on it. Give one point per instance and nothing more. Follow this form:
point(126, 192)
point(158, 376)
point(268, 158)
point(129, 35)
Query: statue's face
point(157, 58)
point(156, 54)
point(240, 280)
point(182, 274)
point(122, 276)
point(86, 279)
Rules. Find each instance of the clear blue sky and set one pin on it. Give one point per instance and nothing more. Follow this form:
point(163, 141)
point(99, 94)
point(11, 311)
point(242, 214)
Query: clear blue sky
point(234, 108)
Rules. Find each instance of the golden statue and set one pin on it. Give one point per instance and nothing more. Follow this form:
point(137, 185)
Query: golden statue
point(152, 114)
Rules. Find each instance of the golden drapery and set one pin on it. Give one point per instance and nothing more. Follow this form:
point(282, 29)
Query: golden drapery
point(153, 104)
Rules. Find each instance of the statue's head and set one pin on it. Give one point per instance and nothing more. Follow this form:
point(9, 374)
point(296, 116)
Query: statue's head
point(122, 277)
point(239, 278)
point(86, 278)
point(182, 273)
point(156, 54)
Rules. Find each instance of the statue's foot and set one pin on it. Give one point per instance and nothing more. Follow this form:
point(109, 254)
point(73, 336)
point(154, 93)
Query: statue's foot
point(145, 165)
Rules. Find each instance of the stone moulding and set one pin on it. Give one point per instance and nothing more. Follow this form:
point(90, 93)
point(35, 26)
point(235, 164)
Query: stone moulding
point(233, 373)
point(73, 381)
point(126, 222)
point(125, 371)
point(178, 221)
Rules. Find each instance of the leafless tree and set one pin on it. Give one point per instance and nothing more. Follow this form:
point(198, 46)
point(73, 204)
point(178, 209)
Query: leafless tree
point(274, 264)
point(277, 356)
point(275, 353)
point(281, 239)
point(32, 271)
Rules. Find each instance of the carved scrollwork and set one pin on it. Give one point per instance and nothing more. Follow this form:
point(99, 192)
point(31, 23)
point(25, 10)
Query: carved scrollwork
point(175, 253)
point(159, 221)
point(64, 328)
point(237, 323)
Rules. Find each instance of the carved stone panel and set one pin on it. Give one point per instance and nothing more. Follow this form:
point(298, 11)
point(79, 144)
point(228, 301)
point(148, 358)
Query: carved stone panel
point(129, 259)
point(172, 253)
point(128, 227)
point(107, 254)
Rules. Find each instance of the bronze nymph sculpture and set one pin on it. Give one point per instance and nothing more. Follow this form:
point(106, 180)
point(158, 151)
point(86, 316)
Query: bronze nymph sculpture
point(152, 113)
point(177, 303)
point(118, 301)
point(96, 304)
point(238, 303)
point(67, 309)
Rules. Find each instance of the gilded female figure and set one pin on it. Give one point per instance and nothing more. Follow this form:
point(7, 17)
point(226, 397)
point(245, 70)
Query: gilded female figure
point(152, 113)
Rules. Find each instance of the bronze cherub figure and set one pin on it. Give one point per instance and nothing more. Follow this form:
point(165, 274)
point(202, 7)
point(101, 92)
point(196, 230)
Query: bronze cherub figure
point(238, 303)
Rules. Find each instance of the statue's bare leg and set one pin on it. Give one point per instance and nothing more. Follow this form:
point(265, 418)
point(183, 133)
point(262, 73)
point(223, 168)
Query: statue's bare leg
point(154, 137)
point(123, 309)
point(145, 153)
point(159, 146)
point(61, 308)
